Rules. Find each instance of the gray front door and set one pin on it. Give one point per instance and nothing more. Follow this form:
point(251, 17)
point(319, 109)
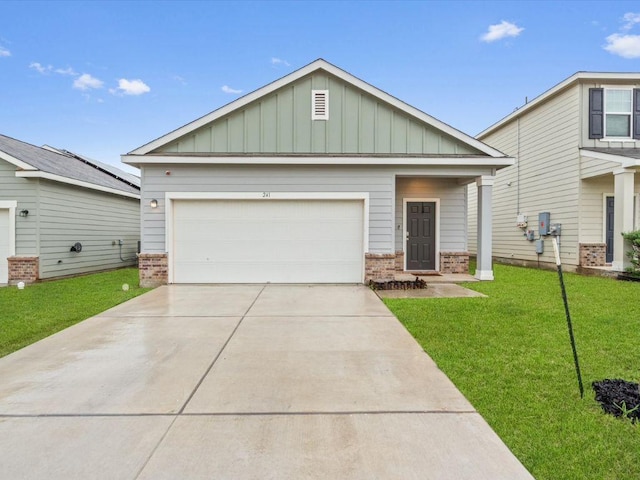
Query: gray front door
point(609, 229)
point(421, 236)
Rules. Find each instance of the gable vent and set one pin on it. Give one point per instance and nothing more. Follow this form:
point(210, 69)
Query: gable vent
point(319, 104)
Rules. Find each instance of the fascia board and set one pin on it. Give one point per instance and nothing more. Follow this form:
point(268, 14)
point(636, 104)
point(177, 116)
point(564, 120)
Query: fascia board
point(18, 163)
point(77, 183)
point(292, 77)
point(138, 160)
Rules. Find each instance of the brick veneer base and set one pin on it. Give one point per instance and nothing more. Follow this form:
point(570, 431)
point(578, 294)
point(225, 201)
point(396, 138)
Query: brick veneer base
point(454, 262)
point(153, 269)
point(399, 261)
point(23, 269)
point(593, 254)
point(378, 266)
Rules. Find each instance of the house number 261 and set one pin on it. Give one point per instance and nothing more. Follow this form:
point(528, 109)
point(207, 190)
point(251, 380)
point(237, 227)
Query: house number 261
point(266, 194)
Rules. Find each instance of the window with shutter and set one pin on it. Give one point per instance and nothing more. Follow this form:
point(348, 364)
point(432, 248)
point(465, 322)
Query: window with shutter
point(614, 113)
point(320, 104)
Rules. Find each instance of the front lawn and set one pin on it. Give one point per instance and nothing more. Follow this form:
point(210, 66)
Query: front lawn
point(41, 309)
point(510, 355)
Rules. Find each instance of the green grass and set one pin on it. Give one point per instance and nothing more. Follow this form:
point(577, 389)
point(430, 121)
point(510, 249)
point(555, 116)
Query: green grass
point(511, 357)
point(42, 309)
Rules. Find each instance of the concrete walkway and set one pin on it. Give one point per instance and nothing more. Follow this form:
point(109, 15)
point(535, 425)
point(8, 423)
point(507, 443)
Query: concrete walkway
point(240, 382)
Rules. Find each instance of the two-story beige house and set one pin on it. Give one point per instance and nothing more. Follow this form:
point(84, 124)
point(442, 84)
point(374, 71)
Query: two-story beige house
point(577, 158)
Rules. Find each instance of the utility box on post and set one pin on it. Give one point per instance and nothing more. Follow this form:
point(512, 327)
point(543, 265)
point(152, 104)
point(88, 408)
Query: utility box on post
point(544, 219)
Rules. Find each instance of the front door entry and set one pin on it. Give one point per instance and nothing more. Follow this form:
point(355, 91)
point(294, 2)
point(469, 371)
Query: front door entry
point(609, 229)
point(421, 236)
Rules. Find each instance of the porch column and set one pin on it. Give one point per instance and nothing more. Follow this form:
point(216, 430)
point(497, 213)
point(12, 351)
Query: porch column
point(622, 215)
point(484, 269)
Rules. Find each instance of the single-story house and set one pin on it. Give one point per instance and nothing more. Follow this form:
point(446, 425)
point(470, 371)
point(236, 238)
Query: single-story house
point(577, 162)
point(316, 177)
point(63, 214)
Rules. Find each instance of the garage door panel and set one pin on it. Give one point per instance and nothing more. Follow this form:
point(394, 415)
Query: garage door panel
point(248, 241)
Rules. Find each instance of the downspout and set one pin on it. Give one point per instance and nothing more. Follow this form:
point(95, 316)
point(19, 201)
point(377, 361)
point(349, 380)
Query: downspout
point(518, 166)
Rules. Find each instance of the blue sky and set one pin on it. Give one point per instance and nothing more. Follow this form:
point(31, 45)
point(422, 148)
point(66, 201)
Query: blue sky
point(103, 78)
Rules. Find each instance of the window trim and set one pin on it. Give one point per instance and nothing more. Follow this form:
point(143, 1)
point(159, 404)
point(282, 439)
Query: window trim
point(605, 112)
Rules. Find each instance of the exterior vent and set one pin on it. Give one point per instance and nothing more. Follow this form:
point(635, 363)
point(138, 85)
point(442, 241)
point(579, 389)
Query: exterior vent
point(319, 104)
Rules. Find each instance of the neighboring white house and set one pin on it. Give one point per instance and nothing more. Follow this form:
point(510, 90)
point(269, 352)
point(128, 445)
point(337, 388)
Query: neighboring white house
point(577, 152)
point(316, 177)
point(63, 214)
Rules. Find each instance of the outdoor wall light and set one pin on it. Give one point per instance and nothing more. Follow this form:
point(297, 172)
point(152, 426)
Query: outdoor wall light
point(24, 213)
point(154, 203)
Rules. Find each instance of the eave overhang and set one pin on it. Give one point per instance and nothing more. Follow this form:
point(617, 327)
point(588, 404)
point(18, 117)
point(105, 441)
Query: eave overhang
point(71, 181)
point(362, 160)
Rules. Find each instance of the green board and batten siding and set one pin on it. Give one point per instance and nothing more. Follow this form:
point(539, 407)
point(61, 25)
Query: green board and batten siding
point(280, 123)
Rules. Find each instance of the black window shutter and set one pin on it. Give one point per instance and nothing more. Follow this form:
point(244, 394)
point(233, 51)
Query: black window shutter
point(636, 113)
point(596, 112)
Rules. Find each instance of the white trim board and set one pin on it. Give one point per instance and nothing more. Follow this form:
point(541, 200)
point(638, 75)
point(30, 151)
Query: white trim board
point(170, 197)
point(10, 206)
point(138, 160)
point(406, 200)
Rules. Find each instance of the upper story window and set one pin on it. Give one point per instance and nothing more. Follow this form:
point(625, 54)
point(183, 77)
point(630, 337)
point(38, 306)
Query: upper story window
point(614, 113)
point(617, 112)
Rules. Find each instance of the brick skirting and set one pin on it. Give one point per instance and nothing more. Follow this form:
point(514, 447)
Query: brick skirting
point(23, 269)
point(454, 262)
point(153, 269)
point(593, 254)
point(379, 266)
point(399, 261)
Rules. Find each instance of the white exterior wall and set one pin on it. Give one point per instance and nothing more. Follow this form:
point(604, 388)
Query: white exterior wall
point(379, 183)
point(545, 178)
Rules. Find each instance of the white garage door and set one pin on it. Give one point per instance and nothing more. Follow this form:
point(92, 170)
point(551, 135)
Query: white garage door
point(4, 245)
point(259, 241)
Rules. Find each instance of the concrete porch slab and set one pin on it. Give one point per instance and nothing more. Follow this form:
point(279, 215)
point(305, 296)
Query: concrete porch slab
point(433, 290)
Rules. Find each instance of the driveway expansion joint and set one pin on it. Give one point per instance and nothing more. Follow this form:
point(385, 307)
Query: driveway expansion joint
point(195, 389)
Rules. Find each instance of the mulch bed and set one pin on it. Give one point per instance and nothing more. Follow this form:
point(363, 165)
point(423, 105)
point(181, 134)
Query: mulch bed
point(618, 397)
point(397, 284)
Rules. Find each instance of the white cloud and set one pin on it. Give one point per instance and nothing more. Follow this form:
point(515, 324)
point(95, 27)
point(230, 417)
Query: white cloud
point(86, 82)
point(630, 19)
point(626, 46)
point(66, 71)
point(4, 52)
point(131, 87)
point(180, 79)
point(40, 68)
point(501, 30)
point(228, 89)
point(278, 61)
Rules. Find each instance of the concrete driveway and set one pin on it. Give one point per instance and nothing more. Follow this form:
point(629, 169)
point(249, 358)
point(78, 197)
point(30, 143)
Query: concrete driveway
point(240, 382)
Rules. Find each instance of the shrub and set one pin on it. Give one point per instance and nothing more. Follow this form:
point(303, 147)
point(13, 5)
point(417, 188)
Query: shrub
point(634, 254)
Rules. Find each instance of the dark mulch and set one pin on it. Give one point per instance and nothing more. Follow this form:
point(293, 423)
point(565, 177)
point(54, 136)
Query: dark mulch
point(397, 284)
point(618, 397)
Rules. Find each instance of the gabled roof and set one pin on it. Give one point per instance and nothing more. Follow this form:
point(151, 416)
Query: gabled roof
point(317, 65)
point(613, 77)
point(53, 164)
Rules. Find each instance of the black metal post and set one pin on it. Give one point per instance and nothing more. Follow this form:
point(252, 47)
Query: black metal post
point(566, 309)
